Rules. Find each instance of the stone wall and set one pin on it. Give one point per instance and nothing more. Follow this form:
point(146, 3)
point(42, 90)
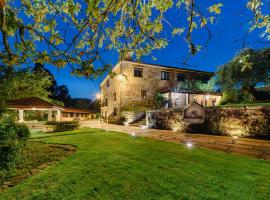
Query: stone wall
point(238, 121)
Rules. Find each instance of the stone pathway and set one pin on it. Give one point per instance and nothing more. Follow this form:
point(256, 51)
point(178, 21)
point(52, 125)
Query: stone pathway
point(249, 147)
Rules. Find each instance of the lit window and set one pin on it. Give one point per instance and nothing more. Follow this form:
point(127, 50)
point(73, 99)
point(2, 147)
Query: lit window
point(144, 94)
point(181, 77)
point(138, 72)
point(165, 75)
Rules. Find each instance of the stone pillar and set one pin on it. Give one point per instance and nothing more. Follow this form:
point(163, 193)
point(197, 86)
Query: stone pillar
point(187, 99)
point(21, 116)
point(58, 116)
point(49, 115)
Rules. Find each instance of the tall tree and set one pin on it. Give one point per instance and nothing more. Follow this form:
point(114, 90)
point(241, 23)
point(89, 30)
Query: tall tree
point(246, 71)
point(40, 69)
point(24, 83)
point(74, 32)
point(62, 94)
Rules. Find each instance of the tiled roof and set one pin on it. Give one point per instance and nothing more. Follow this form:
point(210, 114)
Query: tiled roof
point(76, 110)
point(31, 102)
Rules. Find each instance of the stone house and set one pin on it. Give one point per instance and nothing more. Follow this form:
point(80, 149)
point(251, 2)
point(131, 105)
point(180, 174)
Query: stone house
point(132, 84)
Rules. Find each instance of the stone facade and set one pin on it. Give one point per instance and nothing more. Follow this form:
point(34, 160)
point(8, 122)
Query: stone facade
point(132, 82)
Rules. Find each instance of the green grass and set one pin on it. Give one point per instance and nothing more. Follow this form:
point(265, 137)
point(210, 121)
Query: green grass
point(117, 166)
point(33, 155)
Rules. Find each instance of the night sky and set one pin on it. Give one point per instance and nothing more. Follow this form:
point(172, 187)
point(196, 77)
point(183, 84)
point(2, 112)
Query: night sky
point(232, 25)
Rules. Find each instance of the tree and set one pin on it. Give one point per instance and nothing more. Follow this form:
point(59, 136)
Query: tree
point(23, 83)
point(40, 69)
point(62, 94)
point(75, 32)
point(245, 72)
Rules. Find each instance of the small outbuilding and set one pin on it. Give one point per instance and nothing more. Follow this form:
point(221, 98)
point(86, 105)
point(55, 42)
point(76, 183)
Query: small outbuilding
point(36, 109)
point(194, 113)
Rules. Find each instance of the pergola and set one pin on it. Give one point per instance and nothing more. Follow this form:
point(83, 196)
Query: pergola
point(34, 104)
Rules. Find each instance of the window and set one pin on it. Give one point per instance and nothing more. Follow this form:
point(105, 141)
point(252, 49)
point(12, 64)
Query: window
point(114, 96)
point(165, 75)
point(115, 112)
point(71, 114)
point(106, 102)
point(65, 115)
point(108, 83)
point(77, 115)
point(181, 77)
point(144, 94)
point(138, 72)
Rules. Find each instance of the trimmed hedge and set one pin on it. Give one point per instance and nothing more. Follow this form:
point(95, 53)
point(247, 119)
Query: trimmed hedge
point(63, 126)
point(237, 121)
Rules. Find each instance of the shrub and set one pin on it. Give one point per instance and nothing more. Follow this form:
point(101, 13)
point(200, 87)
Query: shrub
point(63, 126)
point(12, 138)
point(237, 121)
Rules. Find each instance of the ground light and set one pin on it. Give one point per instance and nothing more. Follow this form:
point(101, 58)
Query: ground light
point(189, 145)
point(133, 134)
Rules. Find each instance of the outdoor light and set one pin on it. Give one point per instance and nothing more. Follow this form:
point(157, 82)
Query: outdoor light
point(126, 124)
point(133, 134)
point(98, 96)
point(207, 97)
point(235, 137)
point(33, 108)
point(189, 145)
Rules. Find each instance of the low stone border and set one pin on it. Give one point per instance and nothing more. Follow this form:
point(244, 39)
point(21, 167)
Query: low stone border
point(71, 149)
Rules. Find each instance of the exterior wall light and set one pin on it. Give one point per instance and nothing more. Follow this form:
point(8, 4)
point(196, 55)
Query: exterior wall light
point(98, 96)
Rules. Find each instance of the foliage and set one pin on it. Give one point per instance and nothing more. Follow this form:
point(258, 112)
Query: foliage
point(23, 83)
point(12, 138)
point(246, 71)
point(62, 94)
point(237, 121)
point(63, 126)
point(76, 32)
point(167, 119)
point(159, 100)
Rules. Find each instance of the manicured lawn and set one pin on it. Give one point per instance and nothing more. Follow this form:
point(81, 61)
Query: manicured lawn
point(117, 166)
point(267, 104)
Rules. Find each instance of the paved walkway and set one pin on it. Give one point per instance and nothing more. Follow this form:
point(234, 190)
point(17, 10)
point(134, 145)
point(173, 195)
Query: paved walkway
point(249, 147)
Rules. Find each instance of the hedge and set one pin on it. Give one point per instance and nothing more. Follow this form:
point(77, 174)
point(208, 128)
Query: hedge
point(63, 126)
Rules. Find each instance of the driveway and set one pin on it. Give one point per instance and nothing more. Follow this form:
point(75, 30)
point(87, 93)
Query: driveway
point(248, 147)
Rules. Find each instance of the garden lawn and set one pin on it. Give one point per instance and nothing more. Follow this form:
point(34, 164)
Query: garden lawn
point(111, 165)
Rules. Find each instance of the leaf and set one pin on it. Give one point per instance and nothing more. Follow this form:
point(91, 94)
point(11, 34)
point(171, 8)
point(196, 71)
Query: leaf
point(178, 31)
point(46, 29)
point(216, 8)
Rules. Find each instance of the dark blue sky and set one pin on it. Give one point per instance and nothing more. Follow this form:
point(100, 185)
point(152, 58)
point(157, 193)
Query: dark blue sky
point(232, 25)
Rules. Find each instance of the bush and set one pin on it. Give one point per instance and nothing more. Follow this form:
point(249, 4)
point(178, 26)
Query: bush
point(237, 121)
point(63, 126)
point(12, 139)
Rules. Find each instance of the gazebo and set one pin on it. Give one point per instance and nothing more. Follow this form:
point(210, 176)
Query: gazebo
point(34, 104)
